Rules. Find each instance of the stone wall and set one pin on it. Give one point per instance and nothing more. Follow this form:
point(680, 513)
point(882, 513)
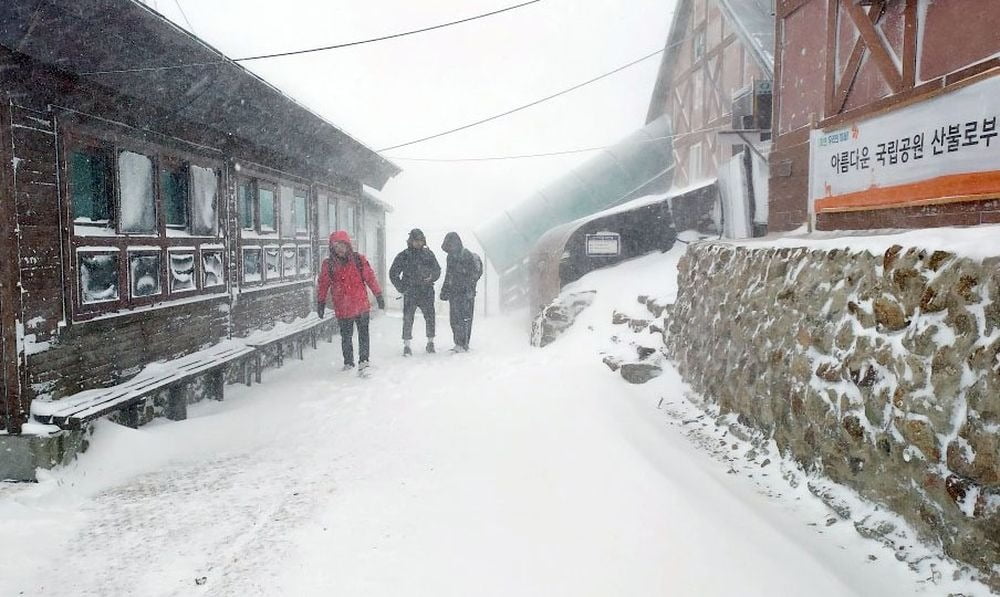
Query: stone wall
point(878, 371)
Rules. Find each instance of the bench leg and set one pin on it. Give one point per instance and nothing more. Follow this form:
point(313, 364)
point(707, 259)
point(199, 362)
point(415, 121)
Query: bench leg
point(130, 416)
point(217, 383)
point(177, 402)
point(312, 338)
point(298, 347)
point(257, 365)
point(246, 371)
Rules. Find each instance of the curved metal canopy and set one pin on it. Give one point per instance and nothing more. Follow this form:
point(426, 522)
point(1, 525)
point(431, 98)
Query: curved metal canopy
point(639, 163)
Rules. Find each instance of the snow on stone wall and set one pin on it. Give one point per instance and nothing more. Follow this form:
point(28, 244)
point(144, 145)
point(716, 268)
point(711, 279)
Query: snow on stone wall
point(879, 371)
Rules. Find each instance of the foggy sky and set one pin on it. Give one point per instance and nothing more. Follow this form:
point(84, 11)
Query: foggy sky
point(394, 91)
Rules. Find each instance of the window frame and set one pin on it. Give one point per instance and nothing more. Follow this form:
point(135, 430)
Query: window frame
point(285, 236)
point(81, 238)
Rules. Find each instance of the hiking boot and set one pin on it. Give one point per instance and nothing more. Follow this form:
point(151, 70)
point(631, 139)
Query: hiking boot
point(362, 366)
point(348, 366)
point(430, 346)
point(407, 351)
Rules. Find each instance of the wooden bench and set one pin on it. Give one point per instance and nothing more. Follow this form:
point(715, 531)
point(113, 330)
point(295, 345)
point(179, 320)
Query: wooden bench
point(296, 333)
point(175, 376)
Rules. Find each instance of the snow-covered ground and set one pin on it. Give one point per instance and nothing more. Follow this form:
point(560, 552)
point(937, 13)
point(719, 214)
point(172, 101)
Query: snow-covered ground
point(508, 471)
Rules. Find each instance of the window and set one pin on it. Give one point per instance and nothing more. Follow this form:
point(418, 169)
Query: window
point(301, 213)
point(213, 271)
point(135, 189)
point(90, 185)
point(289, 255)
point(265, 201)
point(332, 215)
point(272, 262)
point(98, 276)
point(140, 213)
point(144, 274)
point(246, 196)
point(274, 217)
point(174, 186)
point(305, 263)
point(252, 270)
point(182, 275)
point(204, 191)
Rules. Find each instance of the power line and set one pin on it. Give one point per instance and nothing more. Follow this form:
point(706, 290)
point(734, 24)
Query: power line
point(525, 106)
point(183, 14)
point(544, 154)
point(310, 50)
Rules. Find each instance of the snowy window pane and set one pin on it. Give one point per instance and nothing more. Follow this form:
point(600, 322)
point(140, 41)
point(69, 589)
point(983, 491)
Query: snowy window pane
point(287, 212)
point(174, 187)
point(332, 215)
point(135, 187)
point(245, 192)
point(301, 213)
point(98, 277)
point(350, 219)
point(252, 265)
point(90, 180)
point(213, 273)
point(288, 258)
point(322, 207)
point(265, 198)
point(272, 263)
point(181, 271)
point(144, 274)
point(204, 191)
point(305, 263)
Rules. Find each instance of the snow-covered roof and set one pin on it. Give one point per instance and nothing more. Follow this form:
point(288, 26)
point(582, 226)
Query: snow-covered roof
point(94, 40)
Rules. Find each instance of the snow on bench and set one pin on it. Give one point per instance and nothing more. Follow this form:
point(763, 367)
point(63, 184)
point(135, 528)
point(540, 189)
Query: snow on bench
point(304, 328)
point(74, 411)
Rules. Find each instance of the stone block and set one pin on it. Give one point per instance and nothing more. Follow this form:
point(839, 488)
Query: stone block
point(22, 455)
point(639, 373)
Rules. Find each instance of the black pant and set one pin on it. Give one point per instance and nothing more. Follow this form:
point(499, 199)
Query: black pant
point(423, 301)
point(460, 312)
point(347, 338)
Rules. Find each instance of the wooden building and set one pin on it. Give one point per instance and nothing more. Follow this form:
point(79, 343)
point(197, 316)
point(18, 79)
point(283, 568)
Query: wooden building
point(885, 114)
point(155, 198)
point(714, 84)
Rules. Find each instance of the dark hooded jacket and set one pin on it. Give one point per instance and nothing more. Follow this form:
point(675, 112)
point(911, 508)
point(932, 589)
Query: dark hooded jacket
point(414, 271)
point(464, 269)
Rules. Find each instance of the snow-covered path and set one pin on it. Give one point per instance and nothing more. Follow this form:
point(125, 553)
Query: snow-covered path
point(505, 471)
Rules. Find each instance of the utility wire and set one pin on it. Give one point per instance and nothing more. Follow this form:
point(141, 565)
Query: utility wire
point(310, 50)
point(525, 106)
point(546, 154)
point(183, 14)
point(539, 101)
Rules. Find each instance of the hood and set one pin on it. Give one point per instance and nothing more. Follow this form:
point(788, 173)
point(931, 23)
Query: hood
point(452, 243)
point(341, 236)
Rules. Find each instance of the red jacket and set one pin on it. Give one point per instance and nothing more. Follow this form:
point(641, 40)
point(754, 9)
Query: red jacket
point(347, 279)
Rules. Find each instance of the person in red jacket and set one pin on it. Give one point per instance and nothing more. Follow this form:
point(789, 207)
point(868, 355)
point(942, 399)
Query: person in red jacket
point(344, 274)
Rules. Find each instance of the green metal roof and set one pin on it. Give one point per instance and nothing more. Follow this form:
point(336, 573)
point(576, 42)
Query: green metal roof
point(637, 164)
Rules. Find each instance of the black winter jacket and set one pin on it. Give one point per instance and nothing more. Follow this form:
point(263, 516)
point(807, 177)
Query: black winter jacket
point(414, 271)
point(464, 270)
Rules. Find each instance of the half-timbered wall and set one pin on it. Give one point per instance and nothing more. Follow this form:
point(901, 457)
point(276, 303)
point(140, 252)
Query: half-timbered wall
point(709, 66)
point(52, 344)
point(842, 61)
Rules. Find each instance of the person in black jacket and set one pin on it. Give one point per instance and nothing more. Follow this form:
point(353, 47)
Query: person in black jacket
point(459, 288)
point(413, 273)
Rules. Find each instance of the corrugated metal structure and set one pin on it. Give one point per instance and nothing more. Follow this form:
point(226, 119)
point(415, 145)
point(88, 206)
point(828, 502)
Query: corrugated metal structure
point(639, 165)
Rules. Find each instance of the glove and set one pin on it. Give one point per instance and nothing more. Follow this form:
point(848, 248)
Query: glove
point(444, 296)
point(320, 308)
point(380, 301)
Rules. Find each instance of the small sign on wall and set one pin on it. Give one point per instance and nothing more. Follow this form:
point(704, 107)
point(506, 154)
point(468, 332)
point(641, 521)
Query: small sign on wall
point(603, 243)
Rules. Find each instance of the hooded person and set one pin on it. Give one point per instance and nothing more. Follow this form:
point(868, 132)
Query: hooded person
point(413, 273)
point(343, 277)
point(464, 269)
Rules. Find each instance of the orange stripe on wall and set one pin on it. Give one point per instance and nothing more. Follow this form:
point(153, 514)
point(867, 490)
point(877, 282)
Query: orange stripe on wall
point(944, 189)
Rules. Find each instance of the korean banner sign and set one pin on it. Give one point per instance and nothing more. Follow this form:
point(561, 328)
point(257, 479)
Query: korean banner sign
point(939, 150)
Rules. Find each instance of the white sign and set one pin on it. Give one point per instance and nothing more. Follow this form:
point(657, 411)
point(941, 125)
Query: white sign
point(604, 243)
point(944, 148)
